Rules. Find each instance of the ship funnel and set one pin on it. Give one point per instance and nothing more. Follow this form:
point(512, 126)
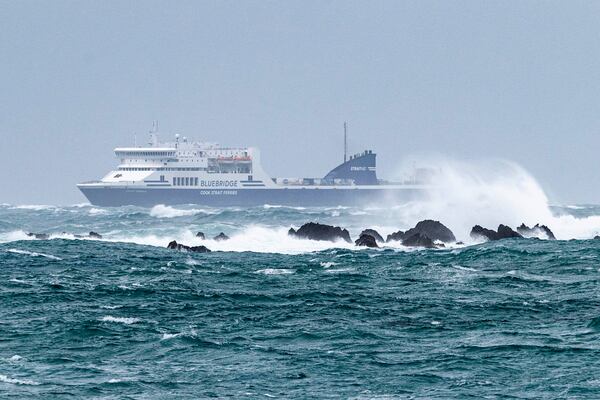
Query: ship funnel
point(360, 168)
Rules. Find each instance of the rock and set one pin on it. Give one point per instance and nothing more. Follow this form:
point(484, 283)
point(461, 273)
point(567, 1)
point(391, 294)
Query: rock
point(434, 230)
point(374, 233)
point(395, 236)
point(291, 232)
point(366, 241)
point(200, 235)
point(181, 247)
point(506, 232)
point(418, 240)
point(479, 232)
point(538, 231)
point(95, 235)
point(39, 236)
point(315, 231)
point(597, 237)
point(503, 232)
point(220, 237)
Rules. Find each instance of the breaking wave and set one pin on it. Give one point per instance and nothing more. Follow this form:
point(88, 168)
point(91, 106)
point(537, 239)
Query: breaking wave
point(162, 211)
point(120, 320)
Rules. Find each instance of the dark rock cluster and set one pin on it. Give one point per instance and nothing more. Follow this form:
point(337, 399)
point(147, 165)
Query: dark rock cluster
point(315, 231)
point(426, 234)
point(505, 232)
point(181, 247)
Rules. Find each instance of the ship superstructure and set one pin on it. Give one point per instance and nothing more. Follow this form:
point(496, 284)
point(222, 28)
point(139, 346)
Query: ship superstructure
point(184, 172)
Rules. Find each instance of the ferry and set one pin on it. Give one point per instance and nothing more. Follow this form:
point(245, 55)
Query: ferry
point(185, 172)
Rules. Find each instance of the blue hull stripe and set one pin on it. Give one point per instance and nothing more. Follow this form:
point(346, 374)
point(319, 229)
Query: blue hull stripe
point(105, 196)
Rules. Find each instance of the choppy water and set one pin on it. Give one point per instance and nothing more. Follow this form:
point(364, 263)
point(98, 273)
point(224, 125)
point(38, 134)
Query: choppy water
point(270, 316)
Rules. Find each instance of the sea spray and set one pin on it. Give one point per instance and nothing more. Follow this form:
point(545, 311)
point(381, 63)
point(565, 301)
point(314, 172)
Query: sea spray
point(488, 193)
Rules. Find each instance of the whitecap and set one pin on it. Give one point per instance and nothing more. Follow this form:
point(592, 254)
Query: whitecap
point(338, 270)
point(111, 307)
point(162, 211)
point(464, 268)
point(119, 380)
point(275, 271)
point(327, 264)
point(81, 205)
point(167, 336)
point(97, 211)
point(121, 320)
point(191, 261)
point(33, 254)
point(34, 207)
point(6, 379)
point(15, 358)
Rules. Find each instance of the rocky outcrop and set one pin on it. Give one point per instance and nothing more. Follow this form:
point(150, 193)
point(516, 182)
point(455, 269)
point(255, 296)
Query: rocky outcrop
point(418, 240)
point(538, 231)
point(374, 233)
point(39, 236)
point(394, 237)
point(366, 241)
point(200, 235)
point(181, 247)
point(221, 237)
point(434, 230)
point(316, 231)
point(91, 235)
point(503, 232)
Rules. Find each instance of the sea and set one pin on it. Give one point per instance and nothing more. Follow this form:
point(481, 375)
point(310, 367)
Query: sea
point(266, 315)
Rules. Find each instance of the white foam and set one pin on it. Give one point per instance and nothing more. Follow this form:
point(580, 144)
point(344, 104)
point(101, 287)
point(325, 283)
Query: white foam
point(97, 211)
point(120, 320)
point(275, 271)
point(464, 268)
point(327, 264)
point(14, 236)
point(34, 207)
point(162, 211)
point(15, 358)
point(33, 254)
point(6, 379)
point(339, 270)
point(191, 261)
point(255, 238)
point(167, 336)
point(111, 307)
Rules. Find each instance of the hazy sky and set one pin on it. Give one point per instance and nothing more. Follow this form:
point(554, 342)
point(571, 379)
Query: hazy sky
point(467, 79)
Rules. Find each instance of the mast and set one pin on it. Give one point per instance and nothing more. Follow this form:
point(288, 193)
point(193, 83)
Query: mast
point(345, 142)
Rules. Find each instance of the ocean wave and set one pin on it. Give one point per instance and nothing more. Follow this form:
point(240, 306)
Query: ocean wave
point(33, 254)
point(120, 320)
point(327, 264)
point(34, 207)
point(275, 271)
point(6, 379)
point(162, 211)
point(97, 211)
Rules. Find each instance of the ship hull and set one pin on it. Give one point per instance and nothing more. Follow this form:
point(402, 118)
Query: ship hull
point(108, 196)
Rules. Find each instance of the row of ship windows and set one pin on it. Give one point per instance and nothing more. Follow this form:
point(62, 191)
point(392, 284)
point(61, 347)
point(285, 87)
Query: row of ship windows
point(187, 181)
point(146, 153)
point(161, 169)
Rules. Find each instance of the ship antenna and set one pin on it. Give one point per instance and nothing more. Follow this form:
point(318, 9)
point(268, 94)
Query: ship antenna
point(345, 142)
